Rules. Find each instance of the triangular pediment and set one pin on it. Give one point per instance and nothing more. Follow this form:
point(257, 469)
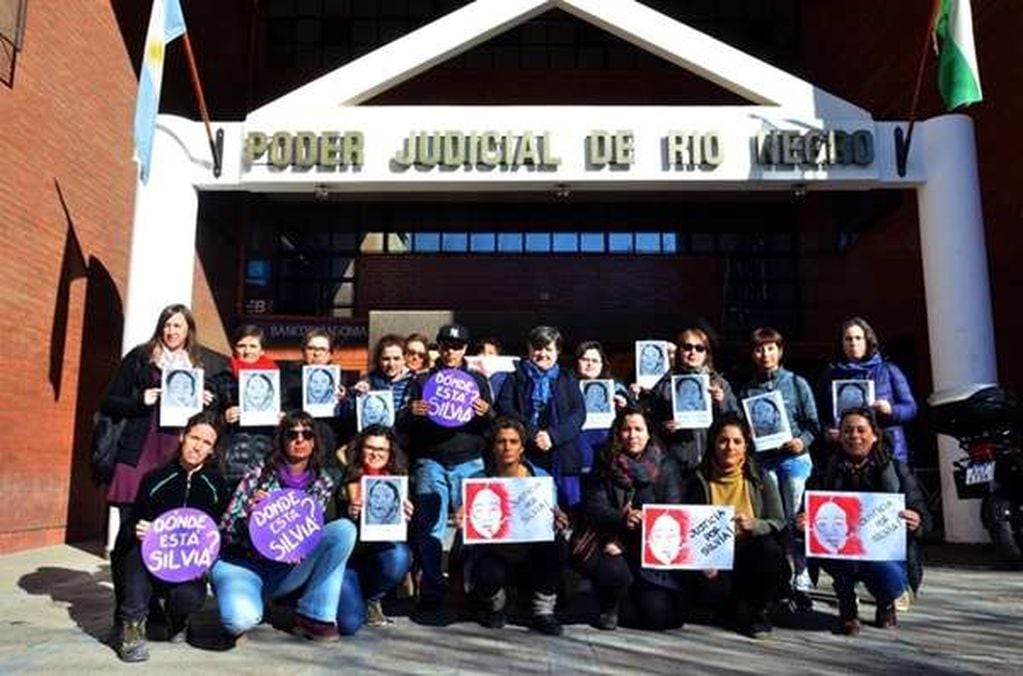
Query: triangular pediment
point(397, 62)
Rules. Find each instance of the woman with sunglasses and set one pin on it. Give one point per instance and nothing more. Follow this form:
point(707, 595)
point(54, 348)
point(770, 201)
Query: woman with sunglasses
point(376, 567)
point(693, 355)
point(417, 353)
point(242, 578)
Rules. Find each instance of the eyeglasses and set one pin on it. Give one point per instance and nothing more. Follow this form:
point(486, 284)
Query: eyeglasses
point(295, 435)
point(413, 353)
point(693, 347)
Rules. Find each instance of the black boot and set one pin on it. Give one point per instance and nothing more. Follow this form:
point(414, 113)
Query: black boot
point(132, 647)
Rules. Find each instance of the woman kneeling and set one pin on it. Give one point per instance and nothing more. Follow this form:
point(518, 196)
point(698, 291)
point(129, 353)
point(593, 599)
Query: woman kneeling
point(536, 566)
point(728, 476)
point(243, 578)
point(187, 481)
point(865, 464)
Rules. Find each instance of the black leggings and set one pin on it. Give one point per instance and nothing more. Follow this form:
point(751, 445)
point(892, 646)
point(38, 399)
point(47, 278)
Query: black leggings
point(759, 576)
point(135, 586)
point(539, 566)
point(643, 604)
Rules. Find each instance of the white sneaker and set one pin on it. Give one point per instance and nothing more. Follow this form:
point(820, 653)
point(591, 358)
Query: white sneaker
point(802, 582)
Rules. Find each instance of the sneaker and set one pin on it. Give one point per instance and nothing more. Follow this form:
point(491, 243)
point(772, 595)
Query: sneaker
point(314, 630)
point(177, 630)
point(132, 647)
point(493, 619)
point(884, 617)
point(903, 603)
point(375, 615)
point(802, 582)
point(547, 624)
point(608, 620)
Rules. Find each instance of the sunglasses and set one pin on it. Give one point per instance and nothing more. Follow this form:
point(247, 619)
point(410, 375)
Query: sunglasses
point(414, 353)
point(693, 347)
point(295, 435)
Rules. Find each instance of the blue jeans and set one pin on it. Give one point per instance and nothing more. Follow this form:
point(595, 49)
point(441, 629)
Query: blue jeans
point(789, 474)
point(370, 575)
point(241, 584)
point(885, 580)
point(437, 490)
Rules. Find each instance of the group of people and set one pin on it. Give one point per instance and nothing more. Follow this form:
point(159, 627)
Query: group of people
point(526, 421)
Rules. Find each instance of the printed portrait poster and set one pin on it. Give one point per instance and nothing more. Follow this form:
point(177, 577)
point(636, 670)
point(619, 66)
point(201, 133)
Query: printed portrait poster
point(286, 525)
point(499, 510)
point(376, 407)
point(383, 517)
point(319, 389)
point(768, 420)
point(688, 537)
point(489, 364)
point(847, 394)
point(690, 401)
point(449, 395)
point(651, 362)
point(599, 396)
point(857, 526)
point(181, 545)
point(180, 395)
point(259, 397)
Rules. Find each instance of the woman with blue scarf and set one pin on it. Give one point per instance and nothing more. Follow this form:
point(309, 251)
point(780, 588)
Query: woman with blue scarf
point(547, 400)
point(861, 359)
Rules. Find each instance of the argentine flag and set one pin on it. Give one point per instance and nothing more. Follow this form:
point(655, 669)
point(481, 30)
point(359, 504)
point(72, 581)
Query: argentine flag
point(166, 22)
point(958, 75)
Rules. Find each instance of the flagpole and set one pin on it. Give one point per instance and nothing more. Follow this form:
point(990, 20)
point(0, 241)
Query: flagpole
point(216, 147)
point(902, 143)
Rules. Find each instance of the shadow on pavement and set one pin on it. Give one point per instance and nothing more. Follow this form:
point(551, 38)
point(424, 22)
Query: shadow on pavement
point(90, 596)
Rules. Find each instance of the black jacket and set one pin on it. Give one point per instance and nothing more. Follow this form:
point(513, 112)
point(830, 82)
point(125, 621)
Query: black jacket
point(604, 502)
point(123, 398)
point(563, 420)
point(170, 487)
point(687, 445)
point(884, 475)
point(449, 446)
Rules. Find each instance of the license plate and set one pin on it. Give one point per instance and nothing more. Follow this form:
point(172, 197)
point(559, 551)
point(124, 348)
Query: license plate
point(980, 473)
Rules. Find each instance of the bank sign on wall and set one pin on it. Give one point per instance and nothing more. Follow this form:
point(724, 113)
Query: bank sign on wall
point(391, 147)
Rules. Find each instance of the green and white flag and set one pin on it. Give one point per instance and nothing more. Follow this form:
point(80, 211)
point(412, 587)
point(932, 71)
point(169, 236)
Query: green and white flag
point(958, 77)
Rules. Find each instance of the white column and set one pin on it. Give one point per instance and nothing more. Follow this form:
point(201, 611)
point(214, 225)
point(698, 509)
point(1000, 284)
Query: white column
point(955, 271)
point(163, 232)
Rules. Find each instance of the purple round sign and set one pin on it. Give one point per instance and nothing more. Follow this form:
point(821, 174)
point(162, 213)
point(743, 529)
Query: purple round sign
point(450, 393)
point(286, 525)
point(181, 545)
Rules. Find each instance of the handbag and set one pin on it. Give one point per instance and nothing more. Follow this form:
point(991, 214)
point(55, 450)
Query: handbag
point(106, 437)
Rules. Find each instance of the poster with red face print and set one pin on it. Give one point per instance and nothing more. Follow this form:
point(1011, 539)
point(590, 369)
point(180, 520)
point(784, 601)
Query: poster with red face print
point(857, 526)
point(502, 510)
point(688, 537)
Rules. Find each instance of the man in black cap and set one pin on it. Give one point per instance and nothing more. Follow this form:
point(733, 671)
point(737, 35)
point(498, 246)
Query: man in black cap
point(442, 457)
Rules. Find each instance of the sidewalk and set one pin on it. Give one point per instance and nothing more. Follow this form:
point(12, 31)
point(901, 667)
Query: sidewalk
point(56, 604)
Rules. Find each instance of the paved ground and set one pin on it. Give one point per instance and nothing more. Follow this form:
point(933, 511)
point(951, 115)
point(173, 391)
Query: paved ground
point(56, 604)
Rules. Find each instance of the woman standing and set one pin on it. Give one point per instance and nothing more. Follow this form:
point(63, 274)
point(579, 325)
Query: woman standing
point(242, 579)
point(189, 480)
point(389, 372)
point(375, 567)
point(729, 476)
point(693, 355)
point(861, 359)
point(548, 402)
point(789, 465)
point(591, 363)
point(633, 470)
point(145, 445)
point(866, 465)
point(243, 446)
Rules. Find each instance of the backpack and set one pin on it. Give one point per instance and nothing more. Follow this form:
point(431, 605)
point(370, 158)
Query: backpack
point(106, 436)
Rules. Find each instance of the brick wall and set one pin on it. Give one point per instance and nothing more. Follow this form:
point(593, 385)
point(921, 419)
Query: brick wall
point(65, 215)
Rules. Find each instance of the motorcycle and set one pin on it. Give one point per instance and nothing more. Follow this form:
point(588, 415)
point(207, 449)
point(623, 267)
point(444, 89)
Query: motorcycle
point(986, 421)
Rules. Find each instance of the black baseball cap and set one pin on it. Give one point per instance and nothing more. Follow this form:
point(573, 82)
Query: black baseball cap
point(453, 333)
